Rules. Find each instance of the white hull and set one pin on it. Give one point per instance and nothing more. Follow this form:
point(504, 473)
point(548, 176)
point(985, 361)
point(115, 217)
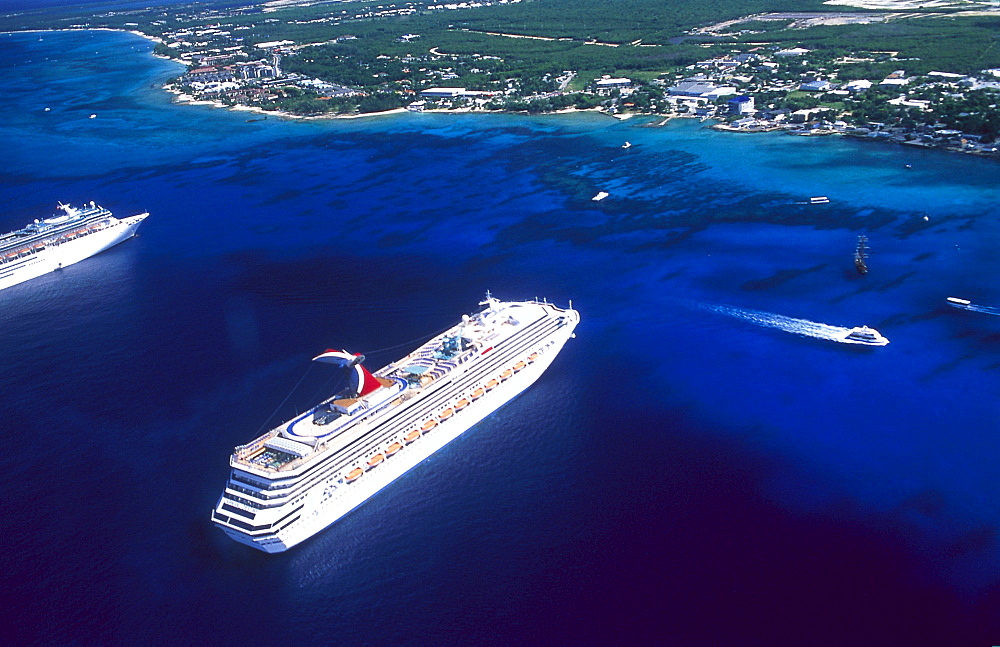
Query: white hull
point(327, 501)
point(54, 257)
point(864, 336)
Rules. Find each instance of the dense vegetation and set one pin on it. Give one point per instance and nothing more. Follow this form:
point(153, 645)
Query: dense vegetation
point(641, 39)
point(961, 44)
point(951, 43)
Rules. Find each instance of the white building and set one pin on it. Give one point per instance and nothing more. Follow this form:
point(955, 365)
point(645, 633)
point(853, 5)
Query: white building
point(273, 44)
point(795, 51)
point(858, 85)
point(816, 86)
point(606, 82)
point(742, 105)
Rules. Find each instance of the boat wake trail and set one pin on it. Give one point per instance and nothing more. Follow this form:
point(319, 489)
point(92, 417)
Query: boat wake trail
point(961, 304)
point(801, 327)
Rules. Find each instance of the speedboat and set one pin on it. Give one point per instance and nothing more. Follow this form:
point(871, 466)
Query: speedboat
point(864, 335)
point(960, 302)
point(600, 196)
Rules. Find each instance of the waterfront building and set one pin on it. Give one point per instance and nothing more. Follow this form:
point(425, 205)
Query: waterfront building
point(742, 105)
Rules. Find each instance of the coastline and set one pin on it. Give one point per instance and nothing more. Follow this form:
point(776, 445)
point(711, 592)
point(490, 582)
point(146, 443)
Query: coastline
point(155, 39)
point(182, 98)
point(791, 129)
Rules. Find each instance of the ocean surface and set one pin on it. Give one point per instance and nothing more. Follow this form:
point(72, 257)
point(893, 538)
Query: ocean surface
point(703, 465)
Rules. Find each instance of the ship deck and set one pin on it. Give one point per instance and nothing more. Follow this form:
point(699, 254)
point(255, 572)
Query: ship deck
point(421, 370)
point(39, 235)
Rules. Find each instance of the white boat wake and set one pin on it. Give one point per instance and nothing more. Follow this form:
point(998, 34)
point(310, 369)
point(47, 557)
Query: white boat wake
point(963, 304)
point(801, 327)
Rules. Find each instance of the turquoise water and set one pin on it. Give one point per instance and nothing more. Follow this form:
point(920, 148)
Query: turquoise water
point(684, 473)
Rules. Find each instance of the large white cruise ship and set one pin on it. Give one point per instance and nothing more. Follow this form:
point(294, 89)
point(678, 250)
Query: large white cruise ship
point(305, 474)
point(60, 240)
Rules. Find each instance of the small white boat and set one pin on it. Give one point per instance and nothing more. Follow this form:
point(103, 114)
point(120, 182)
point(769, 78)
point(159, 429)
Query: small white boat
point(93, 116)
point(865, 335)
point(820, 199)
point(600, 196)
point(627, 145)
point(957, 301)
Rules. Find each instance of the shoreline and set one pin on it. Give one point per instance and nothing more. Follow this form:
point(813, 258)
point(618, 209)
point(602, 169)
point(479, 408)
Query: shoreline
point(155, 39)
point(181, 98)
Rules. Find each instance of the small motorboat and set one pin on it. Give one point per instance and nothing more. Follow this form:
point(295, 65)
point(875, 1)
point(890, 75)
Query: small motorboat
point(960, 302)
point(600, 196)
point(865, 335)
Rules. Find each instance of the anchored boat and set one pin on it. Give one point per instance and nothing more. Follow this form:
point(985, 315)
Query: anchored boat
point(61, 240)
point(861, 255)
point(308, 472)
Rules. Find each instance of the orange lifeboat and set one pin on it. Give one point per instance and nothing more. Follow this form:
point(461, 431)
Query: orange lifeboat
point(413, 435)
point(506, 374)
point(461, 404)
point(392, 449)
point(532, 357)
point(492, 384)
point(354, 475)
point(478, 393)
point(447, 413)
point(375, 460)
point(430, 424)
point(519, 366)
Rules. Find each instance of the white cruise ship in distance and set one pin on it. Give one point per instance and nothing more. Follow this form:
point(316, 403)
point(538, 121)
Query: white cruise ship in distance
point(307, 473)
point(61, 240)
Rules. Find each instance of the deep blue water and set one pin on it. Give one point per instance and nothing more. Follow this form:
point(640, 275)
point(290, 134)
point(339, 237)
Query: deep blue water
point(28, 5)
point(681, 475)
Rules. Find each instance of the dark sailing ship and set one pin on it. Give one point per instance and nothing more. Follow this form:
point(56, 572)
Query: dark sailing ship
point(860, 254)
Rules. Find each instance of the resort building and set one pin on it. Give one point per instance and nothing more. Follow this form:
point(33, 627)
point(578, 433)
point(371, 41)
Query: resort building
point(742, 105)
